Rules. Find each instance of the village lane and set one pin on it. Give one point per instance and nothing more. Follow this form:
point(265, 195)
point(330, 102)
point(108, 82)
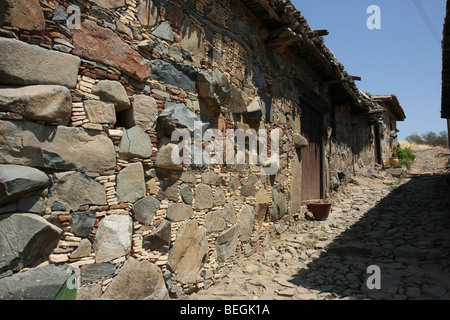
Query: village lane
point(388, 232)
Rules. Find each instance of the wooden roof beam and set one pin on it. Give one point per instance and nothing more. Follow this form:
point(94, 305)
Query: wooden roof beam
point(321, 33)
point(266, 5)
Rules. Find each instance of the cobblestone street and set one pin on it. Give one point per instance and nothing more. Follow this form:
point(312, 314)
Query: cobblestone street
point(399, 225)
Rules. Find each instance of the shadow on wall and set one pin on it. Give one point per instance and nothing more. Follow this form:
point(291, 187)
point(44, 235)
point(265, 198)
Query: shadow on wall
point(407, 235)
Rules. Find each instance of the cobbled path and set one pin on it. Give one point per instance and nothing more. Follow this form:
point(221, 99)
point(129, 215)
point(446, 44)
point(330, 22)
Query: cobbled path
point(400, 226)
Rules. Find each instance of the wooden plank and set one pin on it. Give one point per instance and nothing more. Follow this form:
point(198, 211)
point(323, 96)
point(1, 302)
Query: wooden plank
point(266, 5)
point(282, 42)
point(311, 155)
point(321, 33)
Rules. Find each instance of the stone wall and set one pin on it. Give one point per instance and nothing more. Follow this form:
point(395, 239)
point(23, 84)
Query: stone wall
point(86, 178)
point(351, 149)
point(388, 135)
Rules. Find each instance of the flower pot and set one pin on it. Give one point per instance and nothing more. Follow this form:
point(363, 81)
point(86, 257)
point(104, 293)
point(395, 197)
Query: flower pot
point(393, 161)
point(320, 210)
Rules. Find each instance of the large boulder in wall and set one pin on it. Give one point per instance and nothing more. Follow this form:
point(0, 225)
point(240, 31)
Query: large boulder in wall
point(22, 14)
point(61, 148)
point(18, 181)
point(105, 46)
point(189, 251)
point(24, 238)
point(18, 65)
point(52, 104)
point(137, 280)
point(74, 190)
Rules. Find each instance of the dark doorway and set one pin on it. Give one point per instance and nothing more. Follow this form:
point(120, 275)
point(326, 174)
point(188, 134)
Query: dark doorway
point(378, 157)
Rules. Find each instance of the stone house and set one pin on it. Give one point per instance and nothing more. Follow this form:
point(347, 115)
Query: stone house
point(87, 116)
point(387, 130)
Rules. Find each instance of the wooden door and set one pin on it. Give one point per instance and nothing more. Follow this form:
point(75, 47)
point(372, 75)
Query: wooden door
point(311, 128)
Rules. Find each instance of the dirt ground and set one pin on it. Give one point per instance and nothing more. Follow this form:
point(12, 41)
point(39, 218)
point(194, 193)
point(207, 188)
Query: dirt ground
point(428, 159)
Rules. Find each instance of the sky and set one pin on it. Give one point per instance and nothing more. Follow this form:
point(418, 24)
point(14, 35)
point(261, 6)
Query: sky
point(401, 58)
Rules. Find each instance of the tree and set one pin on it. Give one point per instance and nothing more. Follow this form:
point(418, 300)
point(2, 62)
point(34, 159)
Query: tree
point(415, 138)
point(429, 138)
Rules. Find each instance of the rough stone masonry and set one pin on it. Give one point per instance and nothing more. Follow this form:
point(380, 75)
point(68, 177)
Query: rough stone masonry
point(86, 116)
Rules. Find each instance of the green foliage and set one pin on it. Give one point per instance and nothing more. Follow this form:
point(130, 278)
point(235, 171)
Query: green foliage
point(405, 163)
point(429, 138)
point(406, 153)
point(405, 156)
